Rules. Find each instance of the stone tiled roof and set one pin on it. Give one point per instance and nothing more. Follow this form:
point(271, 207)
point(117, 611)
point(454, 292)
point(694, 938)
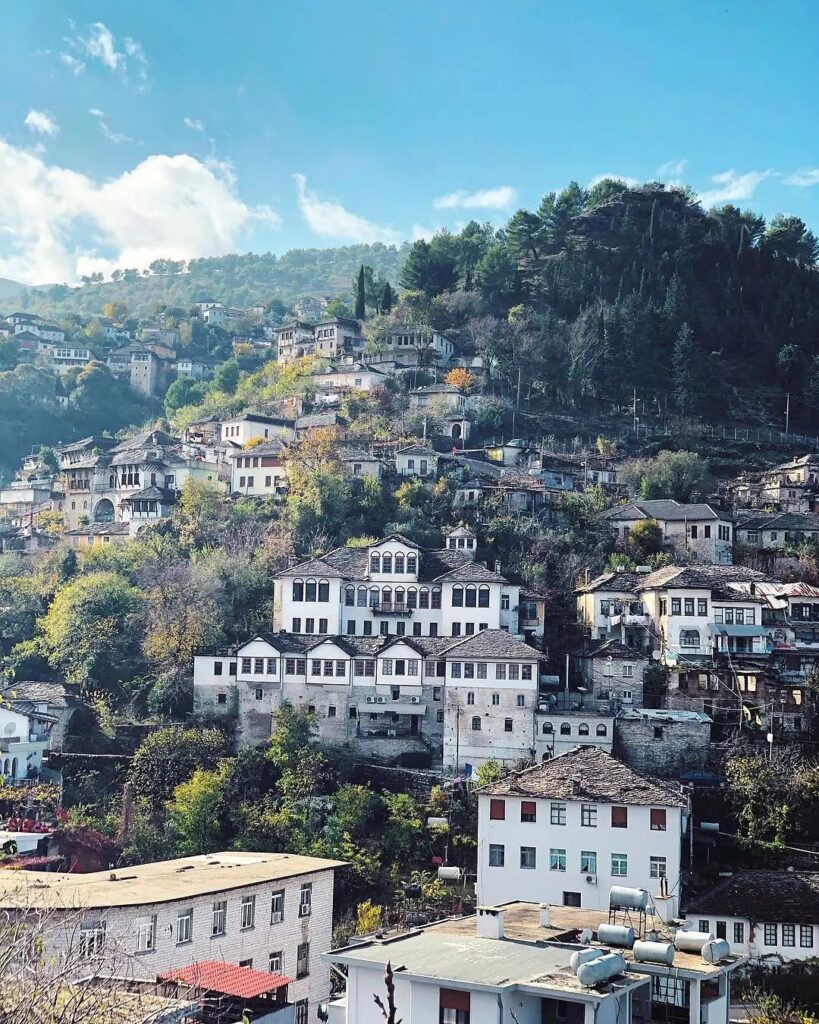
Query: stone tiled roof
point(323, 419)
point(492, 643)
point(619, 582)
point(472, 572)
point(151, 494)
point(437, 389)
point(779, 521)
point(35, 692)
point(698, 576)
point(668, 510)
point(763, 896)
point(274, 447)
point(353, 563)
point(590, 775)
point(612, 649)
point(418, 449)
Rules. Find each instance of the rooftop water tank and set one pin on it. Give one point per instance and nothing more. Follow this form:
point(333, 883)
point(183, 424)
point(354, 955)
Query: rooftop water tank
point(594, 972)
point(616, 935)
point(715, 950)
point(629, 899)
point(691, 942)
point(654, 952)
point(583, 956)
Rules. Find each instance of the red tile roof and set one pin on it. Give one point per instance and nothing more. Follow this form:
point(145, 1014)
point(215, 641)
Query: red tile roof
point(227, 979)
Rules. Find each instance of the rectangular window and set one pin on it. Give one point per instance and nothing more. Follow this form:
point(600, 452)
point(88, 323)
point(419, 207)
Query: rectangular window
point(276, 962)
point(258, 666)
point(218, 923)
point(689, 606)
point(296, 624)
point(619, 817)
point(658, 819)
point(528, 810)
point(277, 907)
point(702, 606)
point(557, 814)
point(619, 865)
point(788, 934)
point(588, 815)
point(456, 670)
point(704, 925)
point(497, 854)
point(247, 912)
point(306, 899)
point(513, 671)
point(246, 662)
point(525, 671)
point(217, 668)
point(184, 926)
point(769, 934)
point(497, 810)
point(309, 625)
point(675, 606)
point(657, 866)
point(303, 960)
point(500, 671)
point(557, 860)
point(806, 936)
point(528, 857)
point(588, 862)
point(146, 934)
point(271, 666)
point(301, 666)
point(92, 939)
point(739, 933)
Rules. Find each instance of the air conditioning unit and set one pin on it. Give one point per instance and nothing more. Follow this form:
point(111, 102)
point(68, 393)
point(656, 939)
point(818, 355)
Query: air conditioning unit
point(371, 700)
point(415, 700)
point(591, 879)
point(391, 732)
point(304, 910)
point(276, 917)
point(380, 700)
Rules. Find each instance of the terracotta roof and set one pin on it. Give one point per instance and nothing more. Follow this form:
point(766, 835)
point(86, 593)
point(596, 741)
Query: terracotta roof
point(591, 775)
point(772, 896)
point(227, 979)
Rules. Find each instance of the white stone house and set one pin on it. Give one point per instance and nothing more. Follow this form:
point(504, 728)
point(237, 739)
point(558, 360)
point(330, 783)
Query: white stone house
point(247, 426)
point(559, 730)
point(438, 398)
point(697, 531)
point(259, 471)
point(568, 829)
point(24, 738)
point(769, 916)
point(270, 911)
point(417, 460)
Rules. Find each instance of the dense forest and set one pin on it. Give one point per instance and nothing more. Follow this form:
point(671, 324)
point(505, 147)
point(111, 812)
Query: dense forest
point(237, 280)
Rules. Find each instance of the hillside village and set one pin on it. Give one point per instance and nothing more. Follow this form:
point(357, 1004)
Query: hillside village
point(347, 594)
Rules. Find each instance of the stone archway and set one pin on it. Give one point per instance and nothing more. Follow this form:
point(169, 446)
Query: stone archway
point(104, 511)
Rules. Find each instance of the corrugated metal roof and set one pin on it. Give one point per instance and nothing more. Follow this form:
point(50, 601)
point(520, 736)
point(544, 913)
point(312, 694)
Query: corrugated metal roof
point(227, 979)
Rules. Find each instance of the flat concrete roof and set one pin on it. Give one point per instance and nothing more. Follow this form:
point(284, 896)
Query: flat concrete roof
point(160, 882)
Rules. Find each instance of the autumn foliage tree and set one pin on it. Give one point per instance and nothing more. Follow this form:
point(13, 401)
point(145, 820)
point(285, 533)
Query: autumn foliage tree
point(461, 379)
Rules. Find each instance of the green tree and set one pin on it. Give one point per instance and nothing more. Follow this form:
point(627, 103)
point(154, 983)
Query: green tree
point(684, 368)
point(168, 757)
point(360, 295)
point(183, 391)
point(226, 376)
point(645, 540)
point(195, 812)
point(386, 299)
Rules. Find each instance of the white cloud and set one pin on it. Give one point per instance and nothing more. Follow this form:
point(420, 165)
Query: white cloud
point(500, 198)
point(671, 169)
point(422, 232)
point(116, 137)
point(194, 124)
point(74, 64)
point(41, 123)
point(100, 44)
point(58, 224)
point(804, 178)
point(732, 186)
point(631, 182)
point(328, 217)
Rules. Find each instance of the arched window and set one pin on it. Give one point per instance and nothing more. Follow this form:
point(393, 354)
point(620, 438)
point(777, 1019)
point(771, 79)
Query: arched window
point(583, 729)
point(412, 563)
point(689, 638)
point(112, 481)
point(412, 598)
point(298, 590)
point(310, 590)
point(457, 597)
point(349, 596)
point(399, 564)
point(602, 730)
point(362, 597)
point(423, 598)
point(471, 597)
point(565, 729)
point(386, 597)
point(323, 590)
point(374, 597)
point(548, 728)
point(476, 724)
point(14, 767)
point(399, 597)
point(483, 597)
point(386, 563)
point(375, 562)
point(436, 597)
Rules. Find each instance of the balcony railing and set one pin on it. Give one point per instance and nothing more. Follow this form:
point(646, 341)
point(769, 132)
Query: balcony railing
point(391, 608)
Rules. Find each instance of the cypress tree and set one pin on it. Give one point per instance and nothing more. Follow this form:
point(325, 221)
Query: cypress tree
point(386, 299)
point(360, 304)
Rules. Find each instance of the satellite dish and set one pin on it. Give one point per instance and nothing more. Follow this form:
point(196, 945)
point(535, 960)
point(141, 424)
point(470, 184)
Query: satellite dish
point(10, 728)
point(656, 655)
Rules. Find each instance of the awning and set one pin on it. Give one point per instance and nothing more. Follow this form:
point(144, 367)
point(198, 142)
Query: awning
point(719, 629)
point(393, 708)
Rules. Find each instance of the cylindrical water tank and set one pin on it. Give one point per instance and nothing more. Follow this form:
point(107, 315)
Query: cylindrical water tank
point(446, 874)
point(715, 950)
point(616, 935)
point(437, 822)
point(583, 956)
point(631, 899)
point(692, 942)
point(654, 952)
point(593, 972)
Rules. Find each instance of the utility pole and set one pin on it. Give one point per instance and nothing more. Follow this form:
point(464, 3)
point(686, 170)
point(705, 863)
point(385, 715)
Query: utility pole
point(787, 411)
point(634, 412)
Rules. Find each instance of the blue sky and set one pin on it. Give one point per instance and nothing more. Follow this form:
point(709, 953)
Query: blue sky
point(135, 130)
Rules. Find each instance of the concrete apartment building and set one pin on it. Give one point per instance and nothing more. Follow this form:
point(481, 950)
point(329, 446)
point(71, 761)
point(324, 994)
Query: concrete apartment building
point(566, 830)
point(270, 911)
point(698, 531)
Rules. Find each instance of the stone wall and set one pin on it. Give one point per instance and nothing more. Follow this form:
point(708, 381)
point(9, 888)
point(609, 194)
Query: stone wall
point(660, 746)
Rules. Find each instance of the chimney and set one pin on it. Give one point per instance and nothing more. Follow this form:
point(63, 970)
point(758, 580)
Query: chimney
point(545, 915)
point(576, 787)
point(497, 567)
point(126, 815)
point(490, 922)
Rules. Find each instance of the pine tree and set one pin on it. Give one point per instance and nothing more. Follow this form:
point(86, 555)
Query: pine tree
point(683, 367)
point(360, 303)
